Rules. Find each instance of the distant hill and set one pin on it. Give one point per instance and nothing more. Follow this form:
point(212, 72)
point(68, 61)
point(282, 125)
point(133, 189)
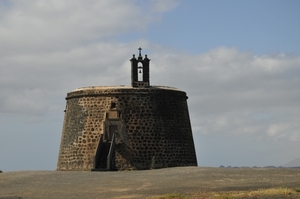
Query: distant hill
point(293, 163)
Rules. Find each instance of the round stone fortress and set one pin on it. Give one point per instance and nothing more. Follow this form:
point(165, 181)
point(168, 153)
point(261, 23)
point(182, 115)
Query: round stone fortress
point(127, 127)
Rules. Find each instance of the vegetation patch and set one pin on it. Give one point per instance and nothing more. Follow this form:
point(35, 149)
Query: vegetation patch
point(172, 196)
point(272, 193)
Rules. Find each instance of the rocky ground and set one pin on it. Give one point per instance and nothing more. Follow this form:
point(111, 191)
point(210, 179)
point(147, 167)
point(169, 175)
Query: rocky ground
point(141, 184)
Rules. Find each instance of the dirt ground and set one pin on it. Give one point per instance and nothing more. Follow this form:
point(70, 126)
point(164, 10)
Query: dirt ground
point(141, 184)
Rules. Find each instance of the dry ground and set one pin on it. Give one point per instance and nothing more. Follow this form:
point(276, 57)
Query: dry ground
point(191, 181)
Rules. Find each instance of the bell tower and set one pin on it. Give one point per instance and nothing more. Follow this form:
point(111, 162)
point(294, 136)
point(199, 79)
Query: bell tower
point(140, 70)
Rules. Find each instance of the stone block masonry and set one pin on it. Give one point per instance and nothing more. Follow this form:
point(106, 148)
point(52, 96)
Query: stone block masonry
point(152, 127)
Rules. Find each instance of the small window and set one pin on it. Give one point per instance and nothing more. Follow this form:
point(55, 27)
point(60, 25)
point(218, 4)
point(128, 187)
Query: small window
point(113, 105)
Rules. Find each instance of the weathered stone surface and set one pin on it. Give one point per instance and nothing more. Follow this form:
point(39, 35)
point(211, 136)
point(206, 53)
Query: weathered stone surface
point(156, 130)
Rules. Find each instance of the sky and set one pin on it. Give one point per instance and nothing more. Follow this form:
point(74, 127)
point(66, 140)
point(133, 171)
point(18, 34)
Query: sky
point(238, 62)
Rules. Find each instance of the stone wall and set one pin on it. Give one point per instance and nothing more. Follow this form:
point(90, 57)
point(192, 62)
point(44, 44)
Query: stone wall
point(157, 131)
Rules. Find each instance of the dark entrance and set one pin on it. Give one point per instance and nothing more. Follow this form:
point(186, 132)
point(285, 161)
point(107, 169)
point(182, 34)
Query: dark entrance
point(112, 129)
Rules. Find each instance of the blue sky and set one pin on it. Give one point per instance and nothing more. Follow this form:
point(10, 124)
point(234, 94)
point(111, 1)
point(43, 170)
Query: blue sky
point(197, 26)
point(238, 61)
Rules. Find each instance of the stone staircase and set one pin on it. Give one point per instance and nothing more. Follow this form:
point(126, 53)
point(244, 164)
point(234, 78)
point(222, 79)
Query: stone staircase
point(102, 162)
point(104, 156)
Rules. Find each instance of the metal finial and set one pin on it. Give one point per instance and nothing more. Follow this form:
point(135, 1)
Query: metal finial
point(140, 51)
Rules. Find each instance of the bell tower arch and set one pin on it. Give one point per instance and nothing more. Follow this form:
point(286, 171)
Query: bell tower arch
point(140, 70)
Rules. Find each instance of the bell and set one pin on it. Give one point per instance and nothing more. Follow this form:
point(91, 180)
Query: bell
point(140, 71)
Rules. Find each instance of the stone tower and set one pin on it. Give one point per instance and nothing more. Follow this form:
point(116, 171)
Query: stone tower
point(127, 127)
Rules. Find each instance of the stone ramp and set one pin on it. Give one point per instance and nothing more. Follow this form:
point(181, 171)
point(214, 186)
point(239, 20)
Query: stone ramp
point(141, 184)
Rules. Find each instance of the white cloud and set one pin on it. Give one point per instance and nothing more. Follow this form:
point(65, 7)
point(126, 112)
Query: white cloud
point(287, 131)
point(295, 136)
point(41, 26)
point(163, 6)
